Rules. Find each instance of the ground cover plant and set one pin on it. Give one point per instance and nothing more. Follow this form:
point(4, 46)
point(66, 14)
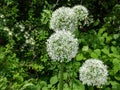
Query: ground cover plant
point(25, 28)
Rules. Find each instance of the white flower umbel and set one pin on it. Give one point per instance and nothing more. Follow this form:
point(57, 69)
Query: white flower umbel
point(81, 12)
point(93, 72)
point(62, 45)
point(63, 18)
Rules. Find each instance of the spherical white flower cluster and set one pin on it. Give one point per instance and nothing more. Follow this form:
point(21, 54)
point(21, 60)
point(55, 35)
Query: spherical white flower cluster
point(62, 45)
point(93, 72)
point(63, 18)
point(81, 12)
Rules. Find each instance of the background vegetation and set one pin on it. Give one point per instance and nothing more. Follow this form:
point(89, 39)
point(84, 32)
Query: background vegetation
point(24, 29)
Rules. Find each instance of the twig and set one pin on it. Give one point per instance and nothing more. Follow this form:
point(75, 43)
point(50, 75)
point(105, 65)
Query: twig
point(57, 2)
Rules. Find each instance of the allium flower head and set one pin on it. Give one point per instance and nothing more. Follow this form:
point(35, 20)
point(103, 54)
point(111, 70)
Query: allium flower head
point(62, 45)
point(63, 18)
point(81, 12)
point(93, 72)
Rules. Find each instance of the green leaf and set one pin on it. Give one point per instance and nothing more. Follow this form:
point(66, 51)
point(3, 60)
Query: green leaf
point(77, 85)
point(65, 76)
point(108, 39)
point(98, 52)
point(101, 31)
point(27, 86)
point(66, 87)
point(96, 22)
point(53, 80)
point(115, 61)
point(44, 88)
point(115, 85)
point(3, 83)
point(116, 36)
point(79, 57)
point(105, 35)
point(107, 88)
point(117, 78)
point(43, 83)
point(116, 68)
point(93, 55)
point(85, 48)
point(105, 50)
point(114, 50)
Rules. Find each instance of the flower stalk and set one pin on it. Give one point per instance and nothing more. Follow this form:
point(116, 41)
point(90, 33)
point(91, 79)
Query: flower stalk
point(61, 77)
point(91, 87)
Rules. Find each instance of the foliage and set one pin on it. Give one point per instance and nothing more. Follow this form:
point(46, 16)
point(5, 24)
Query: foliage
point(24, 30)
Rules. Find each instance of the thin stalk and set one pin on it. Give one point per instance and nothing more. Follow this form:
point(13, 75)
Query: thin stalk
point(61, 76)
point(91, 88)
point(72, 76)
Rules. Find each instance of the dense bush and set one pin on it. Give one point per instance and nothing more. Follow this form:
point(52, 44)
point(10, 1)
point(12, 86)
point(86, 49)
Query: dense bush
point(24, 30)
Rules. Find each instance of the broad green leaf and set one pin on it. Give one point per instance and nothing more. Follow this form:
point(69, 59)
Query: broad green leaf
point(44, 88)
point(27, 86)
point(115, 36)
point(98, 51)
point(115, 61)
point(49, 85)
point(105, 50)
point(66, 87)
point(85, 48)
point(108, 39)
point(96, 22)
point(43, 83)
point(114, 50)
point(53, 80)
point(105, 35)
point(101, 31)
point(94, 55)
point(77, 85)
point(115, 85)
point(116, 68)
point(65, 76)
point(117, 78)
point(3, 83)
point(79, 57)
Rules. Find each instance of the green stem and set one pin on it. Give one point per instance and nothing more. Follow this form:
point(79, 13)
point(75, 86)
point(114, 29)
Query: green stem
point(61, 77)
point(72, 76)
point(91, 88)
